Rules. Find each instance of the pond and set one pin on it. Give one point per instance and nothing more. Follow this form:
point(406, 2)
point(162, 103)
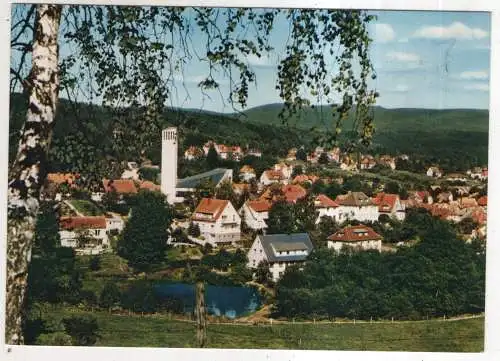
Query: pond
point(230, 302)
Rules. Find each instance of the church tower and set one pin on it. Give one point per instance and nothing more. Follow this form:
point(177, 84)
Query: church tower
point(169, 163)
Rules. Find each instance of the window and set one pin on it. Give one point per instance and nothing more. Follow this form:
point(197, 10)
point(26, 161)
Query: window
point(97, 232)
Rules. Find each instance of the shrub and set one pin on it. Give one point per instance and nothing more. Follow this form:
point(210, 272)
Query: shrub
point(95, 263)
point(54, 339)
point(82, 329)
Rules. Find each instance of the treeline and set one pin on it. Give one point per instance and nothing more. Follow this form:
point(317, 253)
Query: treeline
point(440, 275)
point(79, 145)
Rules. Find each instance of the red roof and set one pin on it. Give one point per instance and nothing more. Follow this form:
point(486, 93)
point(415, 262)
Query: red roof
point(302, 178)
point(247, 169)
point(149, 186)
point(211, 207)
point(483, 201)
point(322, 201)
point(355, 234)
point(293, 192)
point(385, 201)
point(96, 222)
point(60, 178)
point(120, 186)
point(260, 205)
point(274, 174)
point(479, 216)
point(467, 202)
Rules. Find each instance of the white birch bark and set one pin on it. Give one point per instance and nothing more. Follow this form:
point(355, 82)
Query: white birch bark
point(29, 168)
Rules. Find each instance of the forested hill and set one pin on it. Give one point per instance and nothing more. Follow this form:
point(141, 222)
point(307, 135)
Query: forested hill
point(456, 139)
point(475, 120)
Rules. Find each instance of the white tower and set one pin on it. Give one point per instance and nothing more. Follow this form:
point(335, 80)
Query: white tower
point(169, 163)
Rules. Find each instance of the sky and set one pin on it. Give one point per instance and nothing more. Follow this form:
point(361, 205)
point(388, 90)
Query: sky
point(423, 59)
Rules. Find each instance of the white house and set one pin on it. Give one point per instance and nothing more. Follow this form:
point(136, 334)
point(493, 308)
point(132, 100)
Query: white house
point(272, 176)
point(356, 206)
point(286, 169)
point(326, 207)
point(255, 214)
point(279, 251)
point(390, 204)
point(90, 230)
point(434, 172)
point(247, 173)
point(358, 237)
point(114, 223)
point(219, 222)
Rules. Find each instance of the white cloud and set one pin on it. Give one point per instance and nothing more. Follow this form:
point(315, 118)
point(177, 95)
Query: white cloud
point(403, 40)
point(384, 33)
point(401, 88)
point(263, 61)
point(474, 75)
point(403, 57)
point(456, 30)
point(477, 86)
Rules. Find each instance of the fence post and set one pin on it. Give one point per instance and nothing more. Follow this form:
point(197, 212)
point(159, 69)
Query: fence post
point(354, 321)
point(371, 319)
point(392, 319)
point(201, 316)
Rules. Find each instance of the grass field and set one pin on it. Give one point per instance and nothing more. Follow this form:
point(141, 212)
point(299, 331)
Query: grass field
point(160, 331)
point(87, 208)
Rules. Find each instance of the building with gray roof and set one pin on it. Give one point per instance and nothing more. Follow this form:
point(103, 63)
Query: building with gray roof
point(279, 251)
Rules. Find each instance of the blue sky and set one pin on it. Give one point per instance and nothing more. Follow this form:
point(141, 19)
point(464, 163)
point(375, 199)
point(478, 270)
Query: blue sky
point(422, 59)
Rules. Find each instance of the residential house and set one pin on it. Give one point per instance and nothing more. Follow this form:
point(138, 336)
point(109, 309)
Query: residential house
point(390, 204)
point(279, 251)
point(291, 156)
point(255, 213)
point(334, 155)
point(240, 188)
point(254, 153)
point(434, 172)
point(467, 202)
point(247, 173)
point(219, 222)
point(286, 169)
point(456, 177)
point(114, 223)
point(356, 206)
point(360, 238)
point(387, 161)
point(88, 235)
point(444, 197)
point(58, 185)
point(132, 171)
point(483, 201)
point(326, 207)
point(305, 178)
point(478, 173)
point(417, 198)
point(312, 158)
point(367, 162)
point(192, 153)
point(229, 152)
point(272, 176)
point(120, 186)
point(347, 163)
point(290, 193)
point(318, 151)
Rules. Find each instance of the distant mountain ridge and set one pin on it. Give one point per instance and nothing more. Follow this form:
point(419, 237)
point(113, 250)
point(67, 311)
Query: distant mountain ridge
point(385, 119)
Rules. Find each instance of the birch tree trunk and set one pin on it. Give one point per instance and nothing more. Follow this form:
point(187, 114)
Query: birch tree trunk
point(29, 169)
